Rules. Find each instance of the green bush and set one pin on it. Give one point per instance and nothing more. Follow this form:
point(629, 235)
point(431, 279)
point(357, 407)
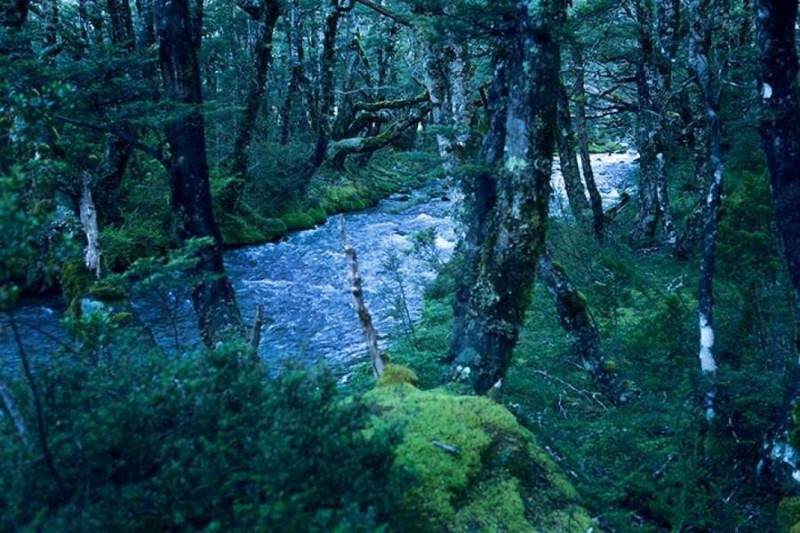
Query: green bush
point(205, 441)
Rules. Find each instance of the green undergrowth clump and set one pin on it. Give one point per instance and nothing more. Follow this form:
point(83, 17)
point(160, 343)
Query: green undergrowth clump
point(471, 466)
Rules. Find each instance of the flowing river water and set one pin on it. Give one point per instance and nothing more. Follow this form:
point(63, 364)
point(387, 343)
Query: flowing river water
point(303, 284)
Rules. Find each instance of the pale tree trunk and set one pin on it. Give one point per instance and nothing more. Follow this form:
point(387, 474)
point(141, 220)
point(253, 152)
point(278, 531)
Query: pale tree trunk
point(576, 194)
point(212, 296)
point(294, 41)
point(703, 13)
point(576, 319)
point(582, 132)
point(88, 217)
point(506, 207)
point(378, 359)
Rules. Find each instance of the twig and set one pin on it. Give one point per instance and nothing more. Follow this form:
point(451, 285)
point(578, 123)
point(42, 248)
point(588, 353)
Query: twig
point(585, 394)
point(452, 450)
point(14, 413)
point(37, 403)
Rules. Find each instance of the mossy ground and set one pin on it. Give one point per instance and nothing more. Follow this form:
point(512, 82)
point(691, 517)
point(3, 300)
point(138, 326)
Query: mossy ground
point(470, 466)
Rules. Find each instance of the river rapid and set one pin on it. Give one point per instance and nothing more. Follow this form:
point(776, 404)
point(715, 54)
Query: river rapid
point(303, 282)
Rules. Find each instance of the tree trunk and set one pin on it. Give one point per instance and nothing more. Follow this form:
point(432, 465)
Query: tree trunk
point(269, 12)
point(294, 44)
point(212, 296)
point(568, 159)
point(576, 319)
point(657, 23)
point(379, 360)
point(780, 136)
point(447, 80)
point(710, 141)
point(582, 131)
point(336, 10)
point(780, 125)
point(506, 205)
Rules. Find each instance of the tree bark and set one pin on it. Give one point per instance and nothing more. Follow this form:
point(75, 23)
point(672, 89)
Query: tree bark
point(702, 12)
point(269, 12)
point(507, 203)
point(379, 360)
point(657, 21)
point(780, 125)
point(582, 131)
point(336, 10)
point(576, 319)
point(576, 194)
point(446, 65)
point(212, 296)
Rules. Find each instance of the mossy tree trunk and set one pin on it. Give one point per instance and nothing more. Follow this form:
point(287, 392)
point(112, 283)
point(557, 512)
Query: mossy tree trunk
point(336, 10)
point(266, 17)
point(576, 319)
point(506, 204)
point(212, 296)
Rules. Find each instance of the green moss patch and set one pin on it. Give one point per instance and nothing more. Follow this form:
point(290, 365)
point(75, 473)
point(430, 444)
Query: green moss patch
point(472, 466)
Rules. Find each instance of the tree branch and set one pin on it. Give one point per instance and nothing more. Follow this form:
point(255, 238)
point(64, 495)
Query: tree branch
point(118, 132)
point(386, 13)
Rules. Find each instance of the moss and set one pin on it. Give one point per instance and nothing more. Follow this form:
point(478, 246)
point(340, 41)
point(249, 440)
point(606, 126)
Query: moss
point(396, 375)
point(298, 220)
point(106, 291)
point(788, 514)
point(473, 466)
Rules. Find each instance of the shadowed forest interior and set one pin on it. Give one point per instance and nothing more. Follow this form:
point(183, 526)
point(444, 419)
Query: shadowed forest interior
point(399, 265)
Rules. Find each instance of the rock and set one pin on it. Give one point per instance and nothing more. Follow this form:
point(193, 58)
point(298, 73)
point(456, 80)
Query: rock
point(485, 472)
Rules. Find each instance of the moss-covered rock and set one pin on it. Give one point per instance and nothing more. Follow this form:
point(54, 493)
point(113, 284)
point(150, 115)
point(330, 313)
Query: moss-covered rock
point(789, 515)
point(472, 467)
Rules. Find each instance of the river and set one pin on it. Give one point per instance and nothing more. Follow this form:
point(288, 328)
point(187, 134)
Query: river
point(302, 281)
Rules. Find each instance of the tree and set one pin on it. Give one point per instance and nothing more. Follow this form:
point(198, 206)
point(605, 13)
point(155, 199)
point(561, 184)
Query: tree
point(507, 202)
point(266, 14)
point(213, 297)
point(780, 122)
point(705, 69)
point(658, 25)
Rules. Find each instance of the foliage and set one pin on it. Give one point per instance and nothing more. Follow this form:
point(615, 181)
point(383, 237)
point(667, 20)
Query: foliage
point(202, 441)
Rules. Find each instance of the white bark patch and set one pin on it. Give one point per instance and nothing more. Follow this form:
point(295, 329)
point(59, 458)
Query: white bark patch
point(766, 91)
point(707, 362)
point(88, 214)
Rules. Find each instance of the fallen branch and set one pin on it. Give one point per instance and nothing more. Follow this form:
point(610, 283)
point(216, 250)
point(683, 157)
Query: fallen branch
point(452, 450)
